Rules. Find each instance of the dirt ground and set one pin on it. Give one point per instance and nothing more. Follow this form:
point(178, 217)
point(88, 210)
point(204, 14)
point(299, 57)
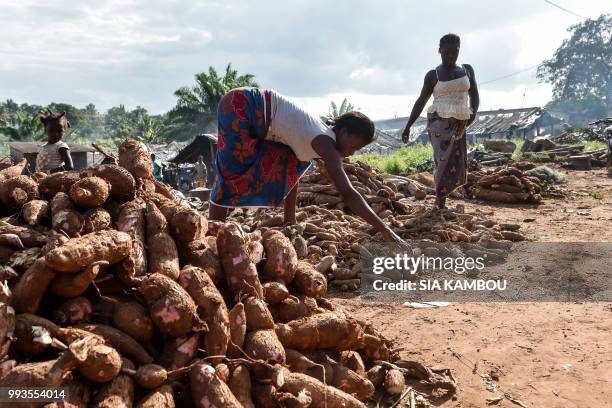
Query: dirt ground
point(544, 354)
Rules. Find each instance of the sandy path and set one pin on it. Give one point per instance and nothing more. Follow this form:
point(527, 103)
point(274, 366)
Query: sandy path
point(546, 354)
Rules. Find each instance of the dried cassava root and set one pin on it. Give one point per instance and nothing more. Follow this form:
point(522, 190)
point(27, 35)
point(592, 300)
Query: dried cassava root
point(89, 192)
point(109, 246)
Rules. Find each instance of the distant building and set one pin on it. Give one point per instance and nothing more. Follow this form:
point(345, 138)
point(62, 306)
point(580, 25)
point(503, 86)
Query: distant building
point(526, 123)
point(395, 127)
point(204, 145)
point(82, 156)
point(389, 134)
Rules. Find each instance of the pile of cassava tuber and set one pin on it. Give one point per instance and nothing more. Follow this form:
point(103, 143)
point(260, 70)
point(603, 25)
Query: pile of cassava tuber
point(382, 195)
point(504, 184)
point(118, 291)
point(333, 239)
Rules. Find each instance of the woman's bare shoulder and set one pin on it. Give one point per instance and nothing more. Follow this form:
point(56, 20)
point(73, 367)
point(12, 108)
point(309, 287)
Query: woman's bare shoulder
point(431, 77)
point(468, 67)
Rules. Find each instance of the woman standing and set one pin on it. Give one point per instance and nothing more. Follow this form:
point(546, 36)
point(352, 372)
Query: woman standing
point(454, 108)
point(265, 144)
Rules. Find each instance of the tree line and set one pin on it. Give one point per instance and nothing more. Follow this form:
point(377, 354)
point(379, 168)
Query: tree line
point(194, 113)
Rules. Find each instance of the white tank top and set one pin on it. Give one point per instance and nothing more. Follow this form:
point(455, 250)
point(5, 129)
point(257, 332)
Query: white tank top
point(294, 127)
point(451, 98)
point(48, 157)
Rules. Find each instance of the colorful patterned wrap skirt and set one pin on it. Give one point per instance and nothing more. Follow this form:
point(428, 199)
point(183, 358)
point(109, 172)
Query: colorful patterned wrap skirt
point(251, 171)
point(447, 136)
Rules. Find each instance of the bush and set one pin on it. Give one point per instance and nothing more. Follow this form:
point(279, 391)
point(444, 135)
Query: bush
point(405, 159)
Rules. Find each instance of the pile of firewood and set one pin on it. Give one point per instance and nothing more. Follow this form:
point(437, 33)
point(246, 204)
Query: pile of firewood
point(118, 291)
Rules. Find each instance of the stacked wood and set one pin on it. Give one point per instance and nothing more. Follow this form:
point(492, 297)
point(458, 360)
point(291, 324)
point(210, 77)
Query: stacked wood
point(120, 318)
point(505, 185)
point(597, 130)
point(571, 157)
point(491, 158)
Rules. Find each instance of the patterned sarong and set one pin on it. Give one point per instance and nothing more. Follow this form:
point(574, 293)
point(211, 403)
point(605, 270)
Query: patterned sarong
point(251, 171)
point(447, 136)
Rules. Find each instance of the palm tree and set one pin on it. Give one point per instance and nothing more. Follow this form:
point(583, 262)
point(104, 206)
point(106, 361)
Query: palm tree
point(149, 129)
point(345, 107)
point(196, 105)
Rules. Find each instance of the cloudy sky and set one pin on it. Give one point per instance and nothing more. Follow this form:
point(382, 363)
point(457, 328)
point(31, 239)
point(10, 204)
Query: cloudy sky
point(373, 52)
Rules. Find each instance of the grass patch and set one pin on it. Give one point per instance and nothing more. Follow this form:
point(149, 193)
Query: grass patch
point(597, 196)
point(405, 159)
point(5, 150)
point(546, 174)
point(539, 157)
point(593, 145)
point(516, 156)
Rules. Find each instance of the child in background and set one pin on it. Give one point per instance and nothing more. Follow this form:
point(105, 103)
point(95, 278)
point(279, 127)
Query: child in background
point(158, 170)
point(54, 156)
point(202, 172)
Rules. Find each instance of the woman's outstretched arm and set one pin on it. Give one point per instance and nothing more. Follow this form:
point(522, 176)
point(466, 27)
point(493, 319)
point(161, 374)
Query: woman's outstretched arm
point(324, 146)
point(474, 95)
point(290, 204)
point(419, 105)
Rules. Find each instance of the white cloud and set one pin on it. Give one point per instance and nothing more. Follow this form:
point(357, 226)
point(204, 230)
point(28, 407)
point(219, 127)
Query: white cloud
point(376, 53)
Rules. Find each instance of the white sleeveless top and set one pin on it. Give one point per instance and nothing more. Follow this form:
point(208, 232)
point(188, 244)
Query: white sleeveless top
point(451, 98)
point(48, 157)
point(294, 127)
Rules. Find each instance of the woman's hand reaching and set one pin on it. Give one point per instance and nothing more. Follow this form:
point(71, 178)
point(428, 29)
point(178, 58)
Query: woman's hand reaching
point(392, 237)
point(406, 135)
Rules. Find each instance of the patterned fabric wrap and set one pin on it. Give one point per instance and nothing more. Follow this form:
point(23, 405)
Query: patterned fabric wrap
point(251, 171)
point(447, 136)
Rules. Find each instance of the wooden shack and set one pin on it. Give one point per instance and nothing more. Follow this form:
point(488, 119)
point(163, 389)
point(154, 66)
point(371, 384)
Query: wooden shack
point(204, 145)
point(82, 156)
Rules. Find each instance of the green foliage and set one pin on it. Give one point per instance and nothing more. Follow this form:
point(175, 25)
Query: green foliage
point(23, 127)
point(546, 174)
point(196, 105)
point(405, 159)
point(582, 66)
point(117, 122)
point(582, 110)
point(92, 125)
point(597, 196)
point(541, 157)
point(11, 106)
point(345, 107)
point(593, 145)
point(136, 124)
point(517, 154)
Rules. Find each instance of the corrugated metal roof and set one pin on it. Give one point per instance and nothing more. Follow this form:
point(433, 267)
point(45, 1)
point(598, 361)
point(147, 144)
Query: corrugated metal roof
point(166, 152)
point(32, 147)
point(199, 145)
point(394, 127)
point(504, 120)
